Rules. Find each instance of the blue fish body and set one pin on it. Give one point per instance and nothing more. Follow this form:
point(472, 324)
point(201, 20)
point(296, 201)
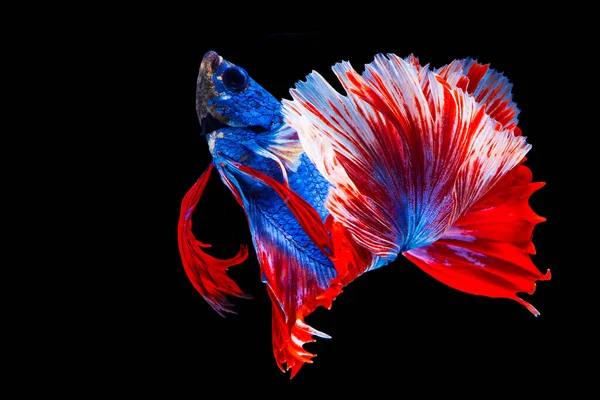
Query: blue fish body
point(236, 144)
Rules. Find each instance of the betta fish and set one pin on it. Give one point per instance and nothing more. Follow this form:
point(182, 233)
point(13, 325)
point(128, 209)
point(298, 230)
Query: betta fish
point(427, 163)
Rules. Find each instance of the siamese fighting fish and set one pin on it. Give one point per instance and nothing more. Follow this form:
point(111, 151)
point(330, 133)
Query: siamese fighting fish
point(413, 161)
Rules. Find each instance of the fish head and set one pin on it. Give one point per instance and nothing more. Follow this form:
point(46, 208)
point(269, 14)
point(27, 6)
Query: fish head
point(226, 96)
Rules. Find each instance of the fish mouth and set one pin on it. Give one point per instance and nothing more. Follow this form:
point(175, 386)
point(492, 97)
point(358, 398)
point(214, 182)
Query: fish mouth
point(211, 124)
point(205, 89)
point(210, 62)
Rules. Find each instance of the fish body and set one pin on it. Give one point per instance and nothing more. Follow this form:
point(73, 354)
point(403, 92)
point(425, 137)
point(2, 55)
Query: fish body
point(422, 163)
point(254, 138)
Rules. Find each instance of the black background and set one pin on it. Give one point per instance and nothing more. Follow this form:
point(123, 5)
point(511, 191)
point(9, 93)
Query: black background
point(395, 328)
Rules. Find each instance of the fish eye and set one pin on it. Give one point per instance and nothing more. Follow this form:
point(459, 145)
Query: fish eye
point(235, 79)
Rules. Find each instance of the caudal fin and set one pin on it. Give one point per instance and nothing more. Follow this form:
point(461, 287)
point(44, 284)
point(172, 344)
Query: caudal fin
point(426, 163)
point(406, 151)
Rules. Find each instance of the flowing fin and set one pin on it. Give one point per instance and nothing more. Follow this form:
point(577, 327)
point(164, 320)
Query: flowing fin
point(285, 145)
point(486, 251)
point(296, 283)
point(281, 145)
point(489, 88)
point(206, 273)
point(406, 152)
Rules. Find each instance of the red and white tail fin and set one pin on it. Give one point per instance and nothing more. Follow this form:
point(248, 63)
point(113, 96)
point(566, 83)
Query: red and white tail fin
point(427, 164)
point(406, 152)
point(206, 273)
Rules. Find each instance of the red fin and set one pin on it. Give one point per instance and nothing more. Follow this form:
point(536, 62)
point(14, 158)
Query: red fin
point(350, 261)
point(486, 251)
point(295, 282)
point(206, 273)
